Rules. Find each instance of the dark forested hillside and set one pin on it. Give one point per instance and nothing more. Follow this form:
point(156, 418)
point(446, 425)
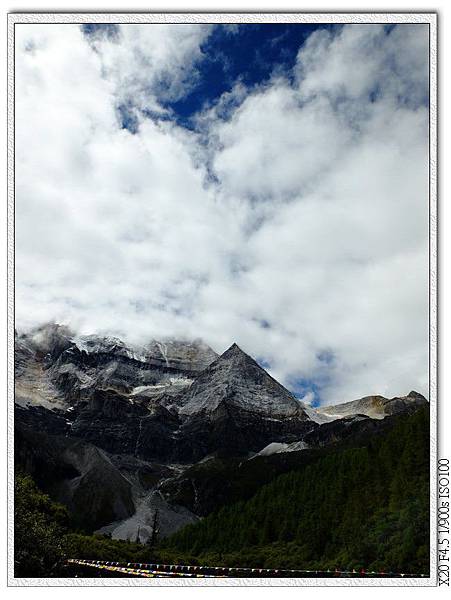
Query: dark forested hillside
point(39, 525)
point(357, 508)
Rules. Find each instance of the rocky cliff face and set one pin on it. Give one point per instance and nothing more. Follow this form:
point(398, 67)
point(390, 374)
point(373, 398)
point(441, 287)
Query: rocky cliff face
point(77, 366)
point(235, 407)
point(155, 402)
point(77, 474)
point(236, 380)
point(180, 356)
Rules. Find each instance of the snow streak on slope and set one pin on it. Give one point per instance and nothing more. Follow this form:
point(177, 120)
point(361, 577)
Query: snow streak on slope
point(320, 417)
point(164, 351)
point(280, 448)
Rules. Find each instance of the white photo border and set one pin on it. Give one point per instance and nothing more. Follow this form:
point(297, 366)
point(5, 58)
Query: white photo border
point(429, 18)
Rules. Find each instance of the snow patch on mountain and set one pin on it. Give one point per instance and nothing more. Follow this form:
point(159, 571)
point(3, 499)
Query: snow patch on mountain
point(164, 351)
point(95, 344)
point(194, 356)
point(169, 385)
point(320, 417)
point(280, 448)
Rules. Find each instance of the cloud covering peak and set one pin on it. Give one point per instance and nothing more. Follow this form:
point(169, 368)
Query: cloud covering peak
point(295, 222)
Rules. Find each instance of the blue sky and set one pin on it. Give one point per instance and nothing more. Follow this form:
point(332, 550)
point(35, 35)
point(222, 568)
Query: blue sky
point(259, 184)
point(249, 53)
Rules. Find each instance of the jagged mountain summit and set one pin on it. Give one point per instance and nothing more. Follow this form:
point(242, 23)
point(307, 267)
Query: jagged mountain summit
point(171, 402)
point(54, 367)
point(234, 407)
point(175, 355)
point(238, 381)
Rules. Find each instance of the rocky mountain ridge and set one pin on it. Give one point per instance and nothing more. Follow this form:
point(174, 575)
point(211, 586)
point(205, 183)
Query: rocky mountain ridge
point(236, 379)
point(96, 417)
point(376, 407)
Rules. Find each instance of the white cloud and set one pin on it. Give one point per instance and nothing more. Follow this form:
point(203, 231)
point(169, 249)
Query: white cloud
point(152, 63)
point(363, 59)
point(311, 239)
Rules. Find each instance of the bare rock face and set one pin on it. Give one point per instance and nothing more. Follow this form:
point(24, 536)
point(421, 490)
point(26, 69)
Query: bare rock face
point(235, 407)
point(100, 494)
point(23, 355)
point(77, 474)
point(180, 356)
point(55, 368)
point(119, 426)
point(33, 386)
point(170, 518)
point(236, 380)
point(376, 407)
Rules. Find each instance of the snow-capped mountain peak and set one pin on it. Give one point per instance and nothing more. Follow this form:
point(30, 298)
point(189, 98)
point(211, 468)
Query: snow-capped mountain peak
point(237, 380)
